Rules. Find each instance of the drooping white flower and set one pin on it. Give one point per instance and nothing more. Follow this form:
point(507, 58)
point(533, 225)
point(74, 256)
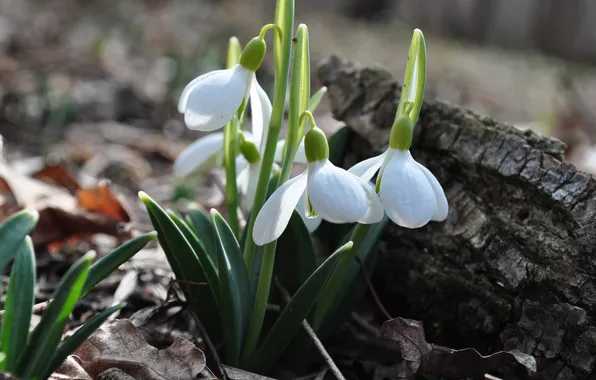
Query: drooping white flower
point(326, 190)
point(210, 101)
point(410, 193)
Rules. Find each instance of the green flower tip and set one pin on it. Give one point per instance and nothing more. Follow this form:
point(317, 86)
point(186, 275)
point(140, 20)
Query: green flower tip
point(213, 212)
point(401, 133)
point(253, 54)
point(315, 145)
point(32, 213)
point(89, 256)
point(250, 151)
point(144, 197)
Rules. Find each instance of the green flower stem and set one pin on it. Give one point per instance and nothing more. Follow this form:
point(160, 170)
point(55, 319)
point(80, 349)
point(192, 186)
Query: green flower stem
point(230, 152)
point(336, 278)
point(284, 18)
point(231, 149)
point(262, 296)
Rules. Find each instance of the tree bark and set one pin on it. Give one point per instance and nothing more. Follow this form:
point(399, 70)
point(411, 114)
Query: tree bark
point(513, 265)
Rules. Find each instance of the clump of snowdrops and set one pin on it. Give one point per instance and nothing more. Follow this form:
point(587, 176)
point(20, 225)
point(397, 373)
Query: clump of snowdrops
point(239, 264)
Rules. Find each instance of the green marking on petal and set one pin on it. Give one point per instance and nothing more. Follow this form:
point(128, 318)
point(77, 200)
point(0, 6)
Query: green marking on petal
point(401, 133)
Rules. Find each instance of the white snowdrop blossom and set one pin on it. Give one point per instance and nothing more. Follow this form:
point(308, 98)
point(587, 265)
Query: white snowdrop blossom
point(207, 152)
point(210, 101)
point(325, 190)
point(409, 192)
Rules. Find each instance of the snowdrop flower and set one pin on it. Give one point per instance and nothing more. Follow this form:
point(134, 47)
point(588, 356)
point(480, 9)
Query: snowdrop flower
point(210, 101)
point(326, 190)
point(410, 193)
point(207, 152)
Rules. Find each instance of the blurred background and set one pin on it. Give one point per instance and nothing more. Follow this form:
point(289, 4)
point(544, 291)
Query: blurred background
point(81, 79)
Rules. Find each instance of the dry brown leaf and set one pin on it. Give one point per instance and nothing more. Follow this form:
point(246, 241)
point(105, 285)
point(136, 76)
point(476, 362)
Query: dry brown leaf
point(60, 214)
point(59, 175)
point(118, 344)
point(102, 199)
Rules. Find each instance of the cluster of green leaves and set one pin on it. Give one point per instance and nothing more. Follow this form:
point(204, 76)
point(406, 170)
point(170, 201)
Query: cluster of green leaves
point(36, 354)
point(202, 248)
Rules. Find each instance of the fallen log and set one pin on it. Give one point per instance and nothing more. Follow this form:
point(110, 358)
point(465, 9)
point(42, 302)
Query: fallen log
point(513, 267)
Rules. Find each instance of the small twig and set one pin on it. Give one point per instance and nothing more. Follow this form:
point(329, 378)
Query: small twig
point(372, 289)
point(309, 330)
point(37, 308)
point(211, 346)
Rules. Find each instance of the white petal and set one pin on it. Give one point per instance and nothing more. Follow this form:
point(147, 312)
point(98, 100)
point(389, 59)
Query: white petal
point(253, 181)
point(189, 87)
point(197, 154)
point(375, 211)
point(214, 99)
point(311, 223)
point(242, 178)
point(335, 194)
point(407, 195)
point(301, 154)
point(260, 108)
point(300, 157)
point(442, 205)
point(366, 169)
point(276, 212)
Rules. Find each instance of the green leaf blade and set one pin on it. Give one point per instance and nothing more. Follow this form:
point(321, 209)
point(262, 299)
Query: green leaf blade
point(186, 266)
point(20, 298)
point(73, 342)
point(289, 321)
point(109, 263)
point(200, 222)
point(295, 259)
point(209, 268)
point(235, 296)
point(13, 231)
point(46, 336)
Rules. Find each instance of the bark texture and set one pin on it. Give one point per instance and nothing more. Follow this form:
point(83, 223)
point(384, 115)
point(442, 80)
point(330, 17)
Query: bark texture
point(513, 267)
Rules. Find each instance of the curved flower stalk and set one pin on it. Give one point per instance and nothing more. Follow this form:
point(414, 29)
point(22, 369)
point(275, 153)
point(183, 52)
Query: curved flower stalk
point(211, 100)
point(410, 193)
point(326, 190)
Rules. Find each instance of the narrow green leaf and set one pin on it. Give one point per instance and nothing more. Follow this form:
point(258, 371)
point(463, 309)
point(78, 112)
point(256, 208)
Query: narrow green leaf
point(295, 259)
point(354, 285)
point(71, 344)
point(209, 269)
point(109, 263)
point(186, 266)
point(282, 45)
point(315, 100)
point(294, 313)
point(12, 232)
point(200, 222)
point(299, 99)
point(45, 337)
point(234, 288)
point(18, 307)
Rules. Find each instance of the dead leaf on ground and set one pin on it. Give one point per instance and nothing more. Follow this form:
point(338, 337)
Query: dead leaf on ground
point(118, 344)
point(102, 199)
point(59, 175)
point(419, 356)
point(61, 215)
